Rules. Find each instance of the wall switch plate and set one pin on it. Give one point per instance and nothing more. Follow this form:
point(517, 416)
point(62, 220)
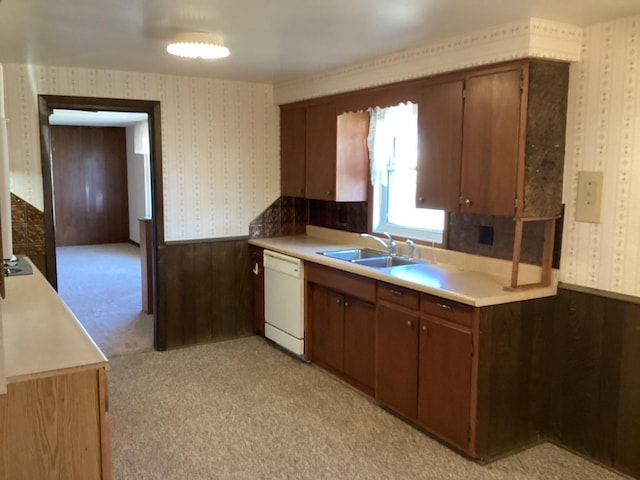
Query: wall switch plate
point(589, 202)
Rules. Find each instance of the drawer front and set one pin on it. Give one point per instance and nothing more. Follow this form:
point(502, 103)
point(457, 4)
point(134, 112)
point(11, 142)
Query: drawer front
point(448, 309)
point(399, 295)
point(351, 284)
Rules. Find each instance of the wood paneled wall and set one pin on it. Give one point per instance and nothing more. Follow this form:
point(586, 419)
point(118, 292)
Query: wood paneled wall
point(515, 360)
point(90, 184)
point(595, 385)
point(204, 292)
point(562, 368)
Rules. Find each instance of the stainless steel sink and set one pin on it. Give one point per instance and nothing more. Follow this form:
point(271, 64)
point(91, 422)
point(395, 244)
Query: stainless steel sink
point(354, 254)
point(385, 262)
point(370, 258)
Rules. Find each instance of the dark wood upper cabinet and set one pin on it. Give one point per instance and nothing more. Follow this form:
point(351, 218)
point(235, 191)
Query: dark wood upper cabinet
point(321, 142)
point(324, 156)
point(293, 129)
point(490, 142)
point(337, 158)
point(439, 145)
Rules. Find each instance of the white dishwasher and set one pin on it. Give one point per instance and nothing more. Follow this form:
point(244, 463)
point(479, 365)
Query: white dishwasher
point(284, 301)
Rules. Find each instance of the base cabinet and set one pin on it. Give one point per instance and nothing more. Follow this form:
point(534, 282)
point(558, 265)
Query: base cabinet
point(397, 359)
point(56, 428)
point(444, 396)
point(342, 323)
point(328, 327)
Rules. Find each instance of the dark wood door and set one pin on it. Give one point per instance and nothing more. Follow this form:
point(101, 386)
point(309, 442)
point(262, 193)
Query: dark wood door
point(359, 342)
point(321, 144)
point(90, 185)
point(292, 151)
point(444, 397)
point(439, 146)
point(327, 323)
point(257, 270)
point(490, 145)
point(397, 359)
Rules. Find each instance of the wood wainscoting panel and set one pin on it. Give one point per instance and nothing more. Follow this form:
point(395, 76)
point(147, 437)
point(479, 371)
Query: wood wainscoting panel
point(513, 389)
point(627, 447)
point(585, 377)
point(204, 292)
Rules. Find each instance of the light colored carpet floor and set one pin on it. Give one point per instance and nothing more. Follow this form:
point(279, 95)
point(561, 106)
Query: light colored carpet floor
point(101, 286)
point(242, 409)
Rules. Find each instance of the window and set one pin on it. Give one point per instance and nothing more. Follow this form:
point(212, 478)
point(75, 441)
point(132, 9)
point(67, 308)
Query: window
point(393, 150)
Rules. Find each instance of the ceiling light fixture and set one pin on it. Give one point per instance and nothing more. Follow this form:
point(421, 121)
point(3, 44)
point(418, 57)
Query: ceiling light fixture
point(198, 45)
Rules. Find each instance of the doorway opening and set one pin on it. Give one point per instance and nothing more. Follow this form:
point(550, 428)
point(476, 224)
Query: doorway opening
point(101, 264)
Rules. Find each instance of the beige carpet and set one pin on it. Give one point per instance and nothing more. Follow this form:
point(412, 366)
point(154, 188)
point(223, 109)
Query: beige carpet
point(101, 285)
point(242, 409)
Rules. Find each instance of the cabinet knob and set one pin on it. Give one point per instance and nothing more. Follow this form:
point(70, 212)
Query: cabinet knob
point(346, 304)
point(409, 323)
point(444, 307)
point(338, 301)
point(328, 193)
point(425, 328)
point(420, 199)
point(467, 202)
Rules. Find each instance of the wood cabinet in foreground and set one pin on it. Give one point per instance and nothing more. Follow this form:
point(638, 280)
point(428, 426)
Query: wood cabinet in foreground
point(56, 428)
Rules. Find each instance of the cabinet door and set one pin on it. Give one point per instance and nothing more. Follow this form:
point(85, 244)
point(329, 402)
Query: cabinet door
point(321, 142)
point(490, 145)
point(327, 319)
point(292, 152)
point(359, 341)
point(445, 380)
point(257, 270)
point(439, 146)
point(397, 359)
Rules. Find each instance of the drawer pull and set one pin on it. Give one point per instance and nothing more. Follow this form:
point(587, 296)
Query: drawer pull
point(397, 293)
point(444, 307)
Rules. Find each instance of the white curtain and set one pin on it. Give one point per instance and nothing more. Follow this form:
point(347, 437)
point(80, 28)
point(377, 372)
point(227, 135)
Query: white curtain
point(391, 130)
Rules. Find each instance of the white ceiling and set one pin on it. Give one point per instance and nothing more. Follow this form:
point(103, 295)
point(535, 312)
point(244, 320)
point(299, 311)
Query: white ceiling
point(270, 40)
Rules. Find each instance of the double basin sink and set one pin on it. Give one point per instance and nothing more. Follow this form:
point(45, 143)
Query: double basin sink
point(370, 258)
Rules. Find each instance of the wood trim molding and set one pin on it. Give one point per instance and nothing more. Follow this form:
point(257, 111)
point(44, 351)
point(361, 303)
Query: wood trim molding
point(46, 104)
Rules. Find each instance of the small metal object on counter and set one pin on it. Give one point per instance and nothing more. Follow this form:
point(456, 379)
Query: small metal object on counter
point(16, 266)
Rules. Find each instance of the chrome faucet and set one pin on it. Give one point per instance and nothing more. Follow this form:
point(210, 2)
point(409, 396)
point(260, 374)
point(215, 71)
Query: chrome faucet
point(412, 246)
point(391, 246)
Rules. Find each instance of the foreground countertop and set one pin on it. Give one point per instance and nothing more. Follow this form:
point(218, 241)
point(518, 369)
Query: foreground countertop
point(455, 276)
point(41, 336)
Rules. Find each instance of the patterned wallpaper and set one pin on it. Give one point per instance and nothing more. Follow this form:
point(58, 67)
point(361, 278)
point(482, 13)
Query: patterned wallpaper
point(603, 134)
point(220, 142)
point(529, 38)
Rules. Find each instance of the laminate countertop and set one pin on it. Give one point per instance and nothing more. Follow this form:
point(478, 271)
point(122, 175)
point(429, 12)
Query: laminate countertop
point(40, 335)
point(469, 279)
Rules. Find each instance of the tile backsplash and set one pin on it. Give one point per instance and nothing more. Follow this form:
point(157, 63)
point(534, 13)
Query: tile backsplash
point(27, 229)
point(290, 216)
